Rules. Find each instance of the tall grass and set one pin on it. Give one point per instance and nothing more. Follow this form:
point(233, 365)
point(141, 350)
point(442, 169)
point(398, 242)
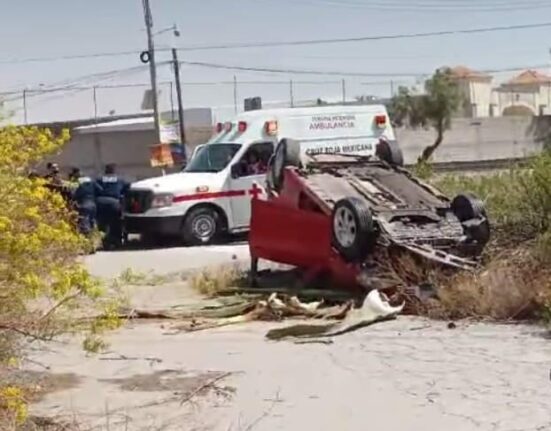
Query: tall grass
point(517, 283)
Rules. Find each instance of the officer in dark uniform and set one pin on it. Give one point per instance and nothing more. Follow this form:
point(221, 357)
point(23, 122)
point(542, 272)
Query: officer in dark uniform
point(84, 198)
point(109, 205)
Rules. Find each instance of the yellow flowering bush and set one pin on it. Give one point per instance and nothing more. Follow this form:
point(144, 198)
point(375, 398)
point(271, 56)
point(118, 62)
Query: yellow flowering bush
point(41, 277)
point(13, 406)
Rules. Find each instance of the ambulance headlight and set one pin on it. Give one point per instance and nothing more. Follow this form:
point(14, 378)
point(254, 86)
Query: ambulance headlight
point(162, 200)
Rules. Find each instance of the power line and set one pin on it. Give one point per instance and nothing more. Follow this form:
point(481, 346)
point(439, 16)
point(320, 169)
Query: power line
point(69, 57)
point(397, 36)
point(371, 38)
point(294, 71)
point(77, 83)
point(425, 7)
point(344, 73)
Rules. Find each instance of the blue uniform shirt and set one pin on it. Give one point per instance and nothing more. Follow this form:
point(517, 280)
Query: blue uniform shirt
point(87, 190)
point(112, 186)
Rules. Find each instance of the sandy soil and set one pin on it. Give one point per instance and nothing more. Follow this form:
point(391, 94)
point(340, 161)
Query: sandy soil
point(401, 375)
point(407, 374)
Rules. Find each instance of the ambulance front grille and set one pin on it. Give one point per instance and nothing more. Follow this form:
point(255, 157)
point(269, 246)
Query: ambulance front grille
point(138, 201)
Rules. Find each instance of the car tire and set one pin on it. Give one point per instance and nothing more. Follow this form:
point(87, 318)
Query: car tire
point(287, 153)
point(471, 212)
point(390, 152)
point(292, 153)
point(467, 206)
point(201, 226)
point(270, 180)
point(353, 233)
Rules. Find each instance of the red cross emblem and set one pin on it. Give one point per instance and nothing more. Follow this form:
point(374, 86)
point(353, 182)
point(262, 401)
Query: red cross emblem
point(255, 191)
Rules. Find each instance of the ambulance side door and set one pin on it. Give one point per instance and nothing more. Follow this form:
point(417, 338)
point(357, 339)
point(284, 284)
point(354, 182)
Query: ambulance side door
point(248, 181)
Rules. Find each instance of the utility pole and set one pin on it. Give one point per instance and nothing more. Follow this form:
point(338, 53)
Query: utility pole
point(343, 91)
point(25, 105)
point(95, 96)
point(291, 93)
point(171, 101)
point(179, 95)
point(235, 93)
point(152, 66)
point(391, 88)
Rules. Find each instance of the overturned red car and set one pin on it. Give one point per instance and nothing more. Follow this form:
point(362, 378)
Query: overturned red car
point(328, 213)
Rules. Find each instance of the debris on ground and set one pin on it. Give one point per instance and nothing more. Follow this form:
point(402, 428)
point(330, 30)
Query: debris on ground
point(343, 317)
point(274, 308)
point(375, 308)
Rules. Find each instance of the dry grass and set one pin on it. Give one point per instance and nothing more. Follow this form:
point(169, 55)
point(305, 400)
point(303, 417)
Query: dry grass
point(212, 282)
point(515, 287)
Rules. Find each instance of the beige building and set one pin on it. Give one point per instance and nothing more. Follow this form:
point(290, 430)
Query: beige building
point(526, 94)
point(529, 93)
point(476, 89)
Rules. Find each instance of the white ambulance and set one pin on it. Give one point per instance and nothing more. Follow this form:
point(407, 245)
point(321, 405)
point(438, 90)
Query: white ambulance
point(212, 195)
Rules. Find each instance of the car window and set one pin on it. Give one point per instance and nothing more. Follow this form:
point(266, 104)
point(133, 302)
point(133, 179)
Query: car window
point(212, 158)
point(255, 160)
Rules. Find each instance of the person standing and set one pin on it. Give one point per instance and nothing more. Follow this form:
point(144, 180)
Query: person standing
point(84, 198)
point(109, 205)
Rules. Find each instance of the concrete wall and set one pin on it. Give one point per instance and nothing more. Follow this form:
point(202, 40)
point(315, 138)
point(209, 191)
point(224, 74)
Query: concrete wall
point(130, 150)
point(478, 139)
point(468, 140)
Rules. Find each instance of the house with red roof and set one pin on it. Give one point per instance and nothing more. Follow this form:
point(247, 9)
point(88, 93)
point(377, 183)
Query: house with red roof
point(476, 88)
point(528, 93)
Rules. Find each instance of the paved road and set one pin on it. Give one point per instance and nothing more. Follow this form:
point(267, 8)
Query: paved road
point(167, 260)
point(408, 374)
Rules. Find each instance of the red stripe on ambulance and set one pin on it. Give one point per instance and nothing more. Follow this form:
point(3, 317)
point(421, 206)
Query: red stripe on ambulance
point(254, 192)
point(212, 195)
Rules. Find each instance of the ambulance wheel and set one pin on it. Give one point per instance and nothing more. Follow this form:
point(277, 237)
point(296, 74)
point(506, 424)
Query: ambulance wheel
point(201, 226)
point(390, 152)
point(353, 233)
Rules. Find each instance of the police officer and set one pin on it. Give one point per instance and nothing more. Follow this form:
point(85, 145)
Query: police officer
point(109, 204)
point(84, 197)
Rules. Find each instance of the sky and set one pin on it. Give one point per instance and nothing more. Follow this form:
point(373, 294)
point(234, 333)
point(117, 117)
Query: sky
point(53, 28)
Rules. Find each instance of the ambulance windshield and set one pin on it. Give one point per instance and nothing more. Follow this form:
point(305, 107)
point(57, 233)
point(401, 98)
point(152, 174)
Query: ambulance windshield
point(212, 158)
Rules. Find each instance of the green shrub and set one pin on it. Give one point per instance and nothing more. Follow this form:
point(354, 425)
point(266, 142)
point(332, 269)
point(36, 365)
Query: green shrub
point(519, 196)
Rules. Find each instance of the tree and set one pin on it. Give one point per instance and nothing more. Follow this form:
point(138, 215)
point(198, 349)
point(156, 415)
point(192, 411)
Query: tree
point(435, 107)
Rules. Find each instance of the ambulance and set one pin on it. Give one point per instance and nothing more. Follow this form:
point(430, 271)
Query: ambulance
point(212, 195)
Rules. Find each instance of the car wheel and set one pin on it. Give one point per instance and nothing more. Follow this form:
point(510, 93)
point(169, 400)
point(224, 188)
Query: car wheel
point(353, 233)
point(466, 207)
point(390, 152)
point(270, 180)
point(201, 227)
point(287, 153)
point(471, 212)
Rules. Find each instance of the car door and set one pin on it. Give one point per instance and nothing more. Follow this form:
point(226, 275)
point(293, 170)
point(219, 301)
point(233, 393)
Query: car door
point(248, 181)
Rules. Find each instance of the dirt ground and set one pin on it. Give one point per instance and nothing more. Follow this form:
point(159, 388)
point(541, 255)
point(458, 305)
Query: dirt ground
point(406, 374)
point(398, 375)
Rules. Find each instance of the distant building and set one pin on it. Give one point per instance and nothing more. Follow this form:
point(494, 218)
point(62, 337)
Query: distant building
point(529, 93)
point(526, 94)
point(476, 89)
